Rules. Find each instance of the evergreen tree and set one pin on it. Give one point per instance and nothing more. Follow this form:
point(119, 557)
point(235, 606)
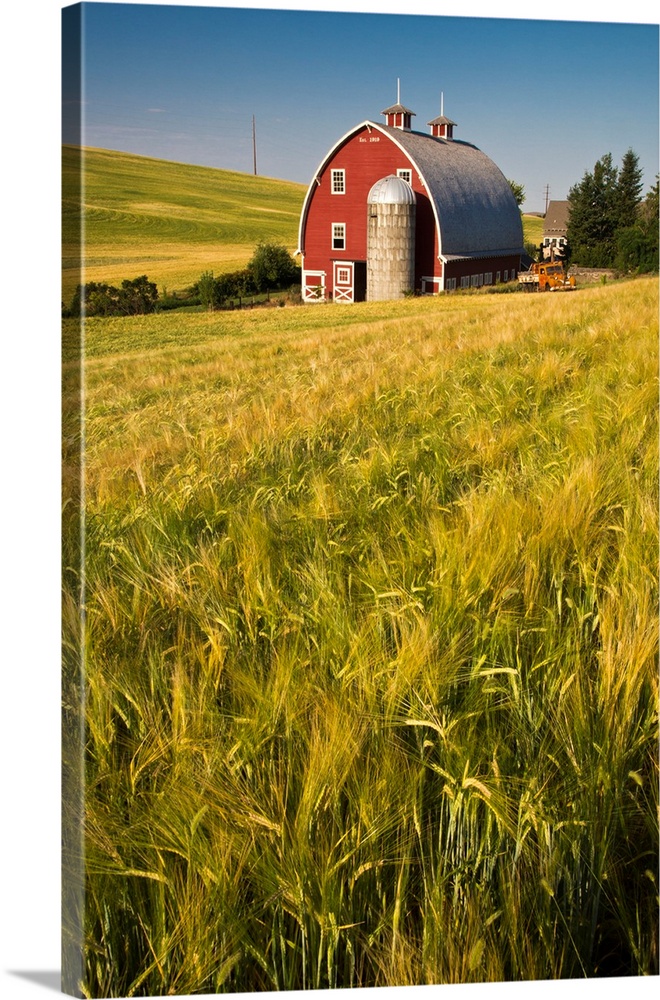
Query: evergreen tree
point(648, 211)
point(628, 190)
point(637, 244)
point(601, 206)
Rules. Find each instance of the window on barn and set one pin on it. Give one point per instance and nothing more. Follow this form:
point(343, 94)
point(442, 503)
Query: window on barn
point(338, 183)
point(506, 275)
point(465, 281)
point(488, 278)
point(338, 235)
point(475, 280)
point(513, 273)
point(405, 175)
point(498, 277)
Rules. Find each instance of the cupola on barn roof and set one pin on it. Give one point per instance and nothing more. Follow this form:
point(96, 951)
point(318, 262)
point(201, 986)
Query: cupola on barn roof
point(441, 120)
point(398, 109)
point(399, 116)
point(442, 127)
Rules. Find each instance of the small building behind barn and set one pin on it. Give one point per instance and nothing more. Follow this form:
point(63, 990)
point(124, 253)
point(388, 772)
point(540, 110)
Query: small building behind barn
point(555, 229)
point(392, 211)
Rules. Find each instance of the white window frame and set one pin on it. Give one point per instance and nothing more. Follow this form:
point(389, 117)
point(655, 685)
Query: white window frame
point(343, 276)
point(465, 281)
point(474, 280)
point(506, 276)
point(338, 181)
point(513, 274)
point(336, 228)
point(450, 284)
point(488, 278)
point(405, 173)
point(498, 277)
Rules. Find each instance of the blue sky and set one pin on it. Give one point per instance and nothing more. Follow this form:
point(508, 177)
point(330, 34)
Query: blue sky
point(544, 99)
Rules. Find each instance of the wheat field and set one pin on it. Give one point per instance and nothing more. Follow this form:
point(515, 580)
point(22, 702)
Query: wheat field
point(370, 643)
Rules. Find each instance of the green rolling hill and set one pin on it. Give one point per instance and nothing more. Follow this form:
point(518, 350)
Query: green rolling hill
point(170, 221)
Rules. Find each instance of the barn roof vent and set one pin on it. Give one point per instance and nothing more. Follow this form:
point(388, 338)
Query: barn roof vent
point(391, 190)
point(398, 116)
point(442, 127)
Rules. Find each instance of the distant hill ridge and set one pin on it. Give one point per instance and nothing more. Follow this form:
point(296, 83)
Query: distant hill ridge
point(168, 220)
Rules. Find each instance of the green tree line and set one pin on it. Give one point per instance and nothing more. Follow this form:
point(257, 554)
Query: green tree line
point(610, 225)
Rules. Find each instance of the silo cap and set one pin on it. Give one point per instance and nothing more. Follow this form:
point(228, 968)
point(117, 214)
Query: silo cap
point(391, 190)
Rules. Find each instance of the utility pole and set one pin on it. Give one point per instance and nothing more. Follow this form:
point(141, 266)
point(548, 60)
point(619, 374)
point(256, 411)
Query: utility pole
point(547, 196)
point(254, 146)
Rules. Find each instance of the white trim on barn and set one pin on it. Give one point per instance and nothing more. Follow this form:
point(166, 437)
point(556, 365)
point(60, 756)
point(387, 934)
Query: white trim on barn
point(431, 285)
point(313, 286)
point(338, 181)
point(338, 231)
point(343, 284)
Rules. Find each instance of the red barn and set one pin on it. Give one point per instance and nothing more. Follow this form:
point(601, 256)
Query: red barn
point(391, 211)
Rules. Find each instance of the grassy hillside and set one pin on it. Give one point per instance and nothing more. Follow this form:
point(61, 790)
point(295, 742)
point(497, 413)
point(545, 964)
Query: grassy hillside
point(532, 229)
point(169, 220)
point(371, 639)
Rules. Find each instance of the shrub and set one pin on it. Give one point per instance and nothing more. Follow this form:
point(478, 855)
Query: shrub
point(97, 298)
point(233, 285)
point(272, 266)
point(207, 290)
point(137, 296)
point(637, 251)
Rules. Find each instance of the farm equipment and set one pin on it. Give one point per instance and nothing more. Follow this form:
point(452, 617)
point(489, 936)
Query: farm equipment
point(547, 276)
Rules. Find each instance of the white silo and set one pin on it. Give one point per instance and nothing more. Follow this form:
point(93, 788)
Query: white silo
point(390, 239)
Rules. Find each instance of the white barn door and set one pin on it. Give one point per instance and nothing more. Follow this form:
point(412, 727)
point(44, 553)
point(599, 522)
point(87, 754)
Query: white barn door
point(343, 276)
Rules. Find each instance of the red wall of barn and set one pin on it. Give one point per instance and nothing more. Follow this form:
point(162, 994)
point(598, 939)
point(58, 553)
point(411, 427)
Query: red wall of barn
point(458, 269)
point(366, 157)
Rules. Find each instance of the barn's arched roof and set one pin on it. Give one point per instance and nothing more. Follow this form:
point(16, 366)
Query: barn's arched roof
point(475, 211)
point(473, 202)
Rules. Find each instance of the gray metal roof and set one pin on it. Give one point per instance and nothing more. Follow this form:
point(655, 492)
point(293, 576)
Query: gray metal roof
point(474, 204)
